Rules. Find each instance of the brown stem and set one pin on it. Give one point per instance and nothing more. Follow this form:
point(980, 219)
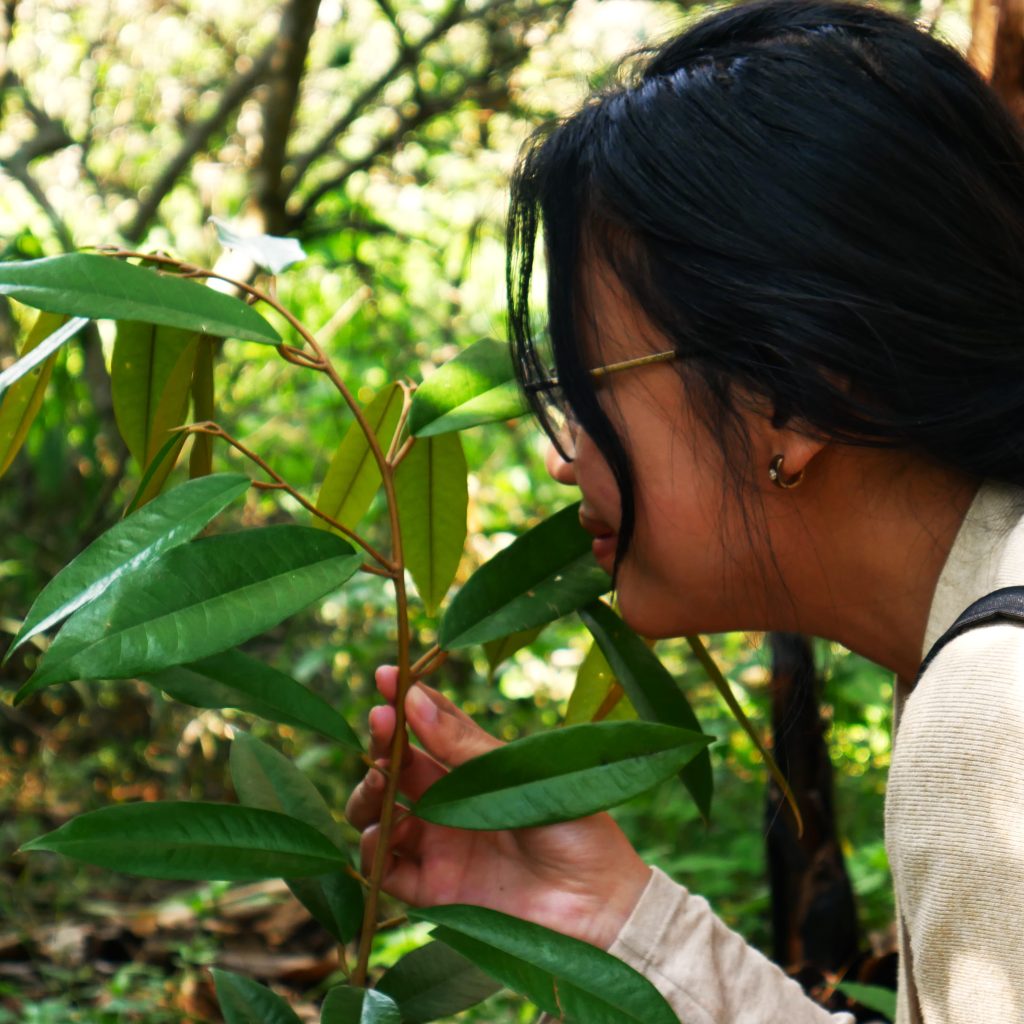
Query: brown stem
point(280, 484)
point(403, 418)
point(395, 565)
point(297, 357)
point(611, 699)
point(403, 451)
point(323, 362)
point(401, 740)
point(429, 662)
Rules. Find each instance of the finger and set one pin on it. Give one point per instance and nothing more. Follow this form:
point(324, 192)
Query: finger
point(402, 871)
point(386, 677)
point(448, 734)
point(382, 730)
point(363, 807)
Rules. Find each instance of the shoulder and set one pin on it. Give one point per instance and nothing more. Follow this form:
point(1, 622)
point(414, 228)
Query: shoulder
point(955, 828)
point(957, 775)
point(975, 681)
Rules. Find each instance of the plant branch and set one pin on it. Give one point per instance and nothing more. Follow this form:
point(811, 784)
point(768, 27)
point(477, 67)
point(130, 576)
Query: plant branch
point(280, 484)
point(322, 362)
point(611, 699)
point(722, 685)
point(403, 417)
point(50, 137)
point(405, 60)
point(401, 740)
point(428, 665)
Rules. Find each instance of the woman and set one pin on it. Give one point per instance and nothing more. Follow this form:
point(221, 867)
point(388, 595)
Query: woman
point(810, 216)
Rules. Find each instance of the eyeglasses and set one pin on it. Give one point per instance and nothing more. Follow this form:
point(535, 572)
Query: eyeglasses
point(553, 411)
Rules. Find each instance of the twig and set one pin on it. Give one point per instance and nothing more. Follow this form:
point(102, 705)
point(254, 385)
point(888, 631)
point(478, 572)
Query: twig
point(356, 107)
point(402, 452)
point(280, 484)
point(722, 685)
point(611, 699)
point(403, 417)
point(429, 662)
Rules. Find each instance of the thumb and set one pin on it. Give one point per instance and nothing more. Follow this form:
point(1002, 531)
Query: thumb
point(445, 732)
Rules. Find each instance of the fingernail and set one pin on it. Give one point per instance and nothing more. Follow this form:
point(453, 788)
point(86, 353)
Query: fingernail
point(421, 705)
point(375, 781)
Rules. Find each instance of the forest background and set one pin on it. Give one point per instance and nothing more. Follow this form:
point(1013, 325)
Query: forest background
point(380, 134)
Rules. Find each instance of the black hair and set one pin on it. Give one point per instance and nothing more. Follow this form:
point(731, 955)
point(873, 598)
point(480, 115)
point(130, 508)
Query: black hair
point(814, 202)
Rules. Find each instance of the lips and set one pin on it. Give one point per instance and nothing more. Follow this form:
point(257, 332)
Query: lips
point(594, 526)
point(605, 538)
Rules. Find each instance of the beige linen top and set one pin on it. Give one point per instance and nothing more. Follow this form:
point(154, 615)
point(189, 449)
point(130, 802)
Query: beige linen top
point(954, 831)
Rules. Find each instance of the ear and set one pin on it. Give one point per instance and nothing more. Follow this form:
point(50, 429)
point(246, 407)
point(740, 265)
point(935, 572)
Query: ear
point(798, 451)
point(794, 441)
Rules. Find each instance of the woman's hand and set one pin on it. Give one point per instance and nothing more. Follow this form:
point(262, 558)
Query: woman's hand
point(581, 878)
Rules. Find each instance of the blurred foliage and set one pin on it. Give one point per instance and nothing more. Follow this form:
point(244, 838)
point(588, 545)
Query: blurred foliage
point(386, 151)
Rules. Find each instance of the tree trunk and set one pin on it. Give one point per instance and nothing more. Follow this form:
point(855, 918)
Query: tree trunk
point(997, 49)
point(814, 915)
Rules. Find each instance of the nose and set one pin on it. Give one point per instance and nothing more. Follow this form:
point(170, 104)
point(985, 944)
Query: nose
point(560, 470)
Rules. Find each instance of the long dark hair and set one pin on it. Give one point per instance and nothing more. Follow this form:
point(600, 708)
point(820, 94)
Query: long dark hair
point(815, 201)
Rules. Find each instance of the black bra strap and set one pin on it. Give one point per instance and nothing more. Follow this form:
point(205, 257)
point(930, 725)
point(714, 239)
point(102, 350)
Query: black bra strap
point(1007, 604)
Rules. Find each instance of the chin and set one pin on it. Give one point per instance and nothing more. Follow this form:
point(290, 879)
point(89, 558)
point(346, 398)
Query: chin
point(650, 617)
point(659, 612)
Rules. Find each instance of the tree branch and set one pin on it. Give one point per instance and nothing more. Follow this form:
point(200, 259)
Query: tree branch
point(406, 59)
point(287, 65)
point(477, 86)
point(195, 139)
point(421, 115)
point(50, 137)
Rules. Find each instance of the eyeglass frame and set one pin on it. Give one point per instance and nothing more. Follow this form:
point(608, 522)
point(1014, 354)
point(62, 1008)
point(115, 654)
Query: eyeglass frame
point(597, 372)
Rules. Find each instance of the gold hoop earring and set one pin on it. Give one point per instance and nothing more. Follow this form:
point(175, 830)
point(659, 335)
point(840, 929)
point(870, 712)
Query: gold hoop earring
point(776, 477)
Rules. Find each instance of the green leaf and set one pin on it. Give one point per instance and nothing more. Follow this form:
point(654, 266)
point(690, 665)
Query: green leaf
point(434, 981)
point(157, 471)
point(651, 690)
point(244, 1001)
point(105, 288)
point(150, 374)
point(264, 778)
point(558, 776)
point(353, 476)
point(125, 548)
point(193, 841)
point(235, 680)
point(502, 649)
point(477, 386)
point(567, 978)
point(430, 487)
point(271, 253)
point(595, 682)
point(194, 601)
point(20, 403)
point(541, 576)
point(345, 1005)
point(335, 900)
point(873, 997)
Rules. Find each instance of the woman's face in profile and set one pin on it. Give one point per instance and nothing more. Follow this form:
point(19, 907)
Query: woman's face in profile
point(690, 566)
